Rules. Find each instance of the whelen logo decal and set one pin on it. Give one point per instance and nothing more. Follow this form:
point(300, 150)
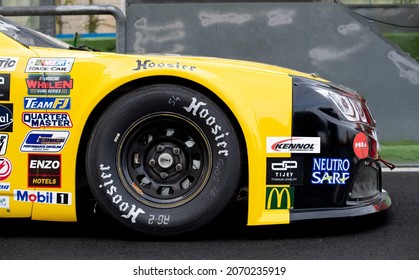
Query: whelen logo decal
point(279, 198)
point(293, 145)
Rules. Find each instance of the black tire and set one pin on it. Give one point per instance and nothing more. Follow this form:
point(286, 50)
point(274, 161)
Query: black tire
point(164, 160)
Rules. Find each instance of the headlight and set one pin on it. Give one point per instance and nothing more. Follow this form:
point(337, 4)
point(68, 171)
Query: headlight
point(350, 106)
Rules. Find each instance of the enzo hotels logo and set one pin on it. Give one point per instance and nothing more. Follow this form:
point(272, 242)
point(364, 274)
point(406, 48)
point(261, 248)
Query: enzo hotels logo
point(279, 198)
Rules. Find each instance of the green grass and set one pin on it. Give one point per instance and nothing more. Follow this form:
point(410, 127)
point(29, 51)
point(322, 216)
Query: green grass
point(407, 41)
point(104, 44)
point(401, 152)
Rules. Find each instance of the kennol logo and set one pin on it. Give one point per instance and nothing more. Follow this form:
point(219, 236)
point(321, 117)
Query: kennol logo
point(293, 144)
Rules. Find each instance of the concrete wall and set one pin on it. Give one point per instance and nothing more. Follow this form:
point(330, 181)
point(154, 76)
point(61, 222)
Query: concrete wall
point(326, 38)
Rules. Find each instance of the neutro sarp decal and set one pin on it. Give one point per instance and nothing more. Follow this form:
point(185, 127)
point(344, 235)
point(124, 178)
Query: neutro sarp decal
point(330, 171)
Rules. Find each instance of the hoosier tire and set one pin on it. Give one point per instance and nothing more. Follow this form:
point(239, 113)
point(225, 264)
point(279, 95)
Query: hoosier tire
point(164, 160)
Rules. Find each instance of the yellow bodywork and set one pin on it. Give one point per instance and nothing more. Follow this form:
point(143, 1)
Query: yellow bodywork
point(258, 95)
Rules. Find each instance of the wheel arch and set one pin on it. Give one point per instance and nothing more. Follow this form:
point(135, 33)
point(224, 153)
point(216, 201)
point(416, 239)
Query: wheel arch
point(82, 190)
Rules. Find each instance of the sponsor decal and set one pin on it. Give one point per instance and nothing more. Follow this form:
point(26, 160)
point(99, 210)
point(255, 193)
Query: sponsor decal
point(293, 145)
point(46, 197)
point(8, 63)
point(4, 202)
point(330, 171)
point(45, 65)
point(131, 212)
point(6, 117)
point(43, 84)
point(4, 138)
point(5, 168)
point(47, 103)
point(44, 171)
point(197, 108)
point(279, 198)
point(148, 64)
point(360, 145)
point(4, 187)
point(5, 87)
point(38, 120)
point(44, 141)
point(284, 171)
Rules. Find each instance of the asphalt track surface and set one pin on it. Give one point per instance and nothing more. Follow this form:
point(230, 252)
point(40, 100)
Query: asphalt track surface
point(391, 236)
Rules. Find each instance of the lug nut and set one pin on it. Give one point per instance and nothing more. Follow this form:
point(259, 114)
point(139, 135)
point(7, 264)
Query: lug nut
point(152, 162)
point(163, 175)
point(160, 148)
point(176, 151)
point(178, 167)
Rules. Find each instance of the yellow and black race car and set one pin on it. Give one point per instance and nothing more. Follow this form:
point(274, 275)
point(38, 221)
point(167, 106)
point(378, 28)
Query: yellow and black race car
point(165, 143)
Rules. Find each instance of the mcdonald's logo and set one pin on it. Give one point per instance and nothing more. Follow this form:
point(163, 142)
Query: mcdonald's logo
point(279, 198)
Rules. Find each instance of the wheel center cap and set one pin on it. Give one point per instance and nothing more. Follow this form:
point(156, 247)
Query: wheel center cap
point(165, 160)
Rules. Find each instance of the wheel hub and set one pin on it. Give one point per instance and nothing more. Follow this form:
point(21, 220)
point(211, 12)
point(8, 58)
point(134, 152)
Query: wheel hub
point(166, 160)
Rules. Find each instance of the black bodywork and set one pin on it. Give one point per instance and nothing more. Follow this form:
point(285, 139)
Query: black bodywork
point(316, 115)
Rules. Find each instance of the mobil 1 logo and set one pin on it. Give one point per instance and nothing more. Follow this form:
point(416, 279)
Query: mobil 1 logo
point(284, 171)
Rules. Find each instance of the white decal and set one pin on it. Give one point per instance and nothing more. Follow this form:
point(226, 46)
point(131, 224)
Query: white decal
point(4, 202)
point(8, 63)
point(46, 197)
point(293, 145)
point(4, 138)
point(44, 141)
point(39, 120)
point(46, 65)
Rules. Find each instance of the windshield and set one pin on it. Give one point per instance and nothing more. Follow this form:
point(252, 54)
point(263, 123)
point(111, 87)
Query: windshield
point(29, 37)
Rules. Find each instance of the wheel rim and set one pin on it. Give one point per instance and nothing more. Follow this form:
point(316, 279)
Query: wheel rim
point(164, 160)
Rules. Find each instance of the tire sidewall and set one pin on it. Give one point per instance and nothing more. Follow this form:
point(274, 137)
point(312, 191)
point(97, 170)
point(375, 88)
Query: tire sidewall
point(108, 187)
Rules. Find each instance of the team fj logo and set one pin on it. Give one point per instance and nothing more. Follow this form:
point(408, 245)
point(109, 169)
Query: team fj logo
point(293, 145)
point(47, 103)
point(330, 171)
point(48, 65)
